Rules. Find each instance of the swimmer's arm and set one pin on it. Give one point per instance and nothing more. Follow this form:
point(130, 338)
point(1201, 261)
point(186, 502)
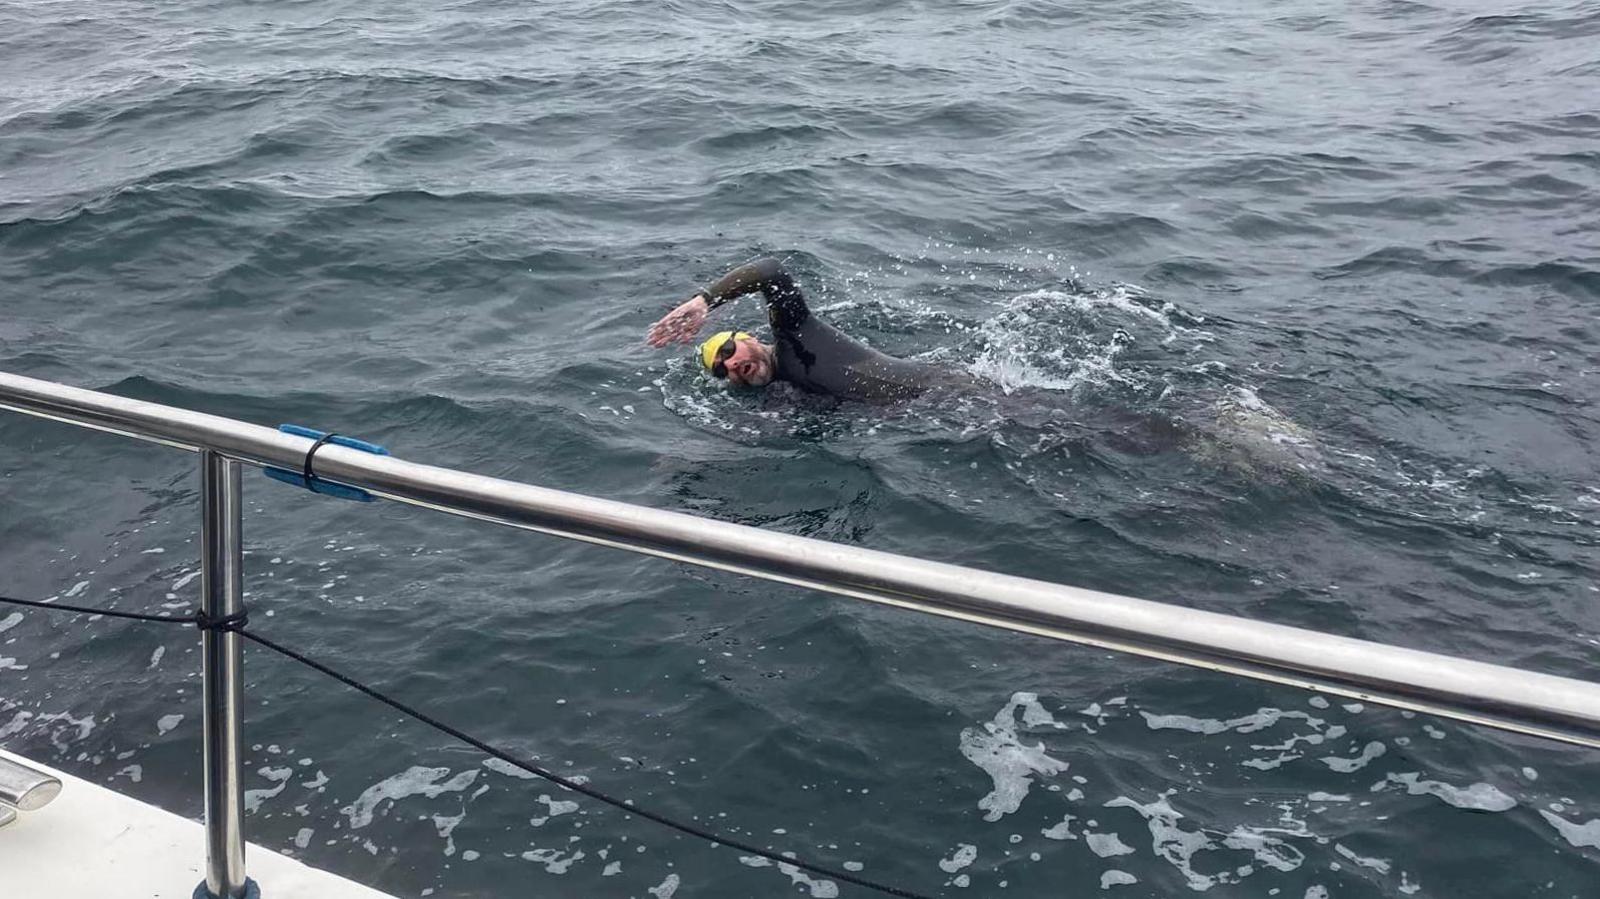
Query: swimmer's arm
point(786, 307)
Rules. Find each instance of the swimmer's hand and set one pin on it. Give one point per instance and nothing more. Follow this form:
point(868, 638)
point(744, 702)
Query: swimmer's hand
point(681, 324)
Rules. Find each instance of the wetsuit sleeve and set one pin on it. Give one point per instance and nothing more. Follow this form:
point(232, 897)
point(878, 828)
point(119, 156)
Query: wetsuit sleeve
point(786, 307)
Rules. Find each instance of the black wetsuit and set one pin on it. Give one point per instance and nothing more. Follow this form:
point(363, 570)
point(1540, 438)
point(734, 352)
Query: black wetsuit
point(814, 355)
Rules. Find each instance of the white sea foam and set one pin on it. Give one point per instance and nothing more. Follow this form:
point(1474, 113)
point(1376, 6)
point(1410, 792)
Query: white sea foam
point(1106, 845)
point(1285, 755)
point(1034, 715)
point(1011, 764)
point(447, 825)
point(964, 855)
point(554, 808)
point(254, 798)
point(413, 781)
point(819, 889)
point(1114, 877)
point(1178, 846)
point(1246, 724)
point(508, 769)
point(1266, 764)
point(167, 722)
point(557, 861)
point(1377, 864)
point(10, 621)
point(666, 888)
point(1478, 797)
point(1170, 841)
point(1314, 738)
point(1267, 850)
point(1582, 835)
point(17, 723)
point(1369, 753)
point(1062, 831)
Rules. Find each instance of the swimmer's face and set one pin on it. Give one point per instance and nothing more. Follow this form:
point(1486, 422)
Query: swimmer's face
point(751, 364)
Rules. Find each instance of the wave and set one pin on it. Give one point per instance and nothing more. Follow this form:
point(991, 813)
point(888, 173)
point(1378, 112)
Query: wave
point(1570, 278)
point(1287, 173)
point(1487, 38)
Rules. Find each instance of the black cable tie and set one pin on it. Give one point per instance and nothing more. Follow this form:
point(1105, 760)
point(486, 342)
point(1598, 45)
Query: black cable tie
point(233, 623)
point(311, 476)
point(307, 477)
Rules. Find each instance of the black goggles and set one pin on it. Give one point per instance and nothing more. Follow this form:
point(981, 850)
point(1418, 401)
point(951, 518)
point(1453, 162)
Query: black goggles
point(719, 368)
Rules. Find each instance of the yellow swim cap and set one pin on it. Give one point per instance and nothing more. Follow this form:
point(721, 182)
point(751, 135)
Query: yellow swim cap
point(708, 350)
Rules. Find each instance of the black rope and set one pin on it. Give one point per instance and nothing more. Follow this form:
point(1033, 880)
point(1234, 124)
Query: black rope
point(235, 623)
point(576, 787)
point(109, 613)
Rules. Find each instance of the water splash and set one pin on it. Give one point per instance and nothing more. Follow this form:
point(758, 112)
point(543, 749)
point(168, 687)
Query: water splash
point(1072, 340)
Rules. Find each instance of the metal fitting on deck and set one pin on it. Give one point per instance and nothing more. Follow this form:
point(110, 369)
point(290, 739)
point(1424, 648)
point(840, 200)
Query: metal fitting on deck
point(24, 788)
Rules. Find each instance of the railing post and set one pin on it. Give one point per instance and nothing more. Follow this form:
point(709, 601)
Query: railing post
point(222, 593)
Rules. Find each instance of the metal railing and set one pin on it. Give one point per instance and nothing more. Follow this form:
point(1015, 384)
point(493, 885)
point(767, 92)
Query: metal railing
point(1496, 696)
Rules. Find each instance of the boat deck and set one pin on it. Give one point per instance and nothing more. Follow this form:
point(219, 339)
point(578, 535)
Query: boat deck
point(92, 842)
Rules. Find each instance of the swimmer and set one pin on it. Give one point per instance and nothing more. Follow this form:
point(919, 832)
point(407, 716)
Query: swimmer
point(806, 351)
point(819, 358)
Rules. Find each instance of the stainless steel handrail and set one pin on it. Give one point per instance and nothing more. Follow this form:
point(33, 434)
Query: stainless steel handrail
point(1543, 705)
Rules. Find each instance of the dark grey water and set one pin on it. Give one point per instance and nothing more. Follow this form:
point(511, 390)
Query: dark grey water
point(1357, 247)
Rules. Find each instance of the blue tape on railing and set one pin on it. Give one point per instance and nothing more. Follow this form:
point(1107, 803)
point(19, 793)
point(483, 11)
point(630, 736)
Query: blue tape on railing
point(319, 484)
point(338, 439)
